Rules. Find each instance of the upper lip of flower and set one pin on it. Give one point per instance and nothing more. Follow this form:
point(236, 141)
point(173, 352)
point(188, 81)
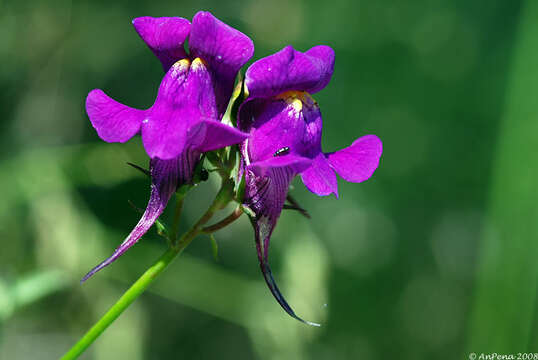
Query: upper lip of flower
point(223, 49)
point(290, 70)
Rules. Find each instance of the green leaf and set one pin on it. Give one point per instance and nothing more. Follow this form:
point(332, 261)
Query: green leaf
point(507, 271)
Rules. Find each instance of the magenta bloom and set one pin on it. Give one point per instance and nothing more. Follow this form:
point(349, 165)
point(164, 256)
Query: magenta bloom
point(285, 128)
point(185, 119)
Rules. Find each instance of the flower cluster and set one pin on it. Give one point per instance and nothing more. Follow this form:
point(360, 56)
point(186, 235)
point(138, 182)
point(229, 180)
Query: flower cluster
point(278, 134)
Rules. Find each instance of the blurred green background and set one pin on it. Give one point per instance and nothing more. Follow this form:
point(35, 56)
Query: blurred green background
point(432, 258)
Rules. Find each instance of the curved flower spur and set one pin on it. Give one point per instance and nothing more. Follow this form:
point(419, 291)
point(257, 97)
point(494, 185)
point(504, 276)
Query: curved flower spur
point(285, 125)
point(185, 119)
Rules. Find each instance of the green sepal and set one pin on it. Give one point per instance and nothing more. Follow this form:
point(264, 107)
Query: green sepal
point(240, 189)
point(139, 168)
point(294, 205)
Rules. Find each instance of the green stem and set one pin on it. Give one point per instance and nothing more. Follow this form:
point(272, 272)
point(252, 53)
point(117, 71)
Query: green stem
point(148, 277)
point(127, 299)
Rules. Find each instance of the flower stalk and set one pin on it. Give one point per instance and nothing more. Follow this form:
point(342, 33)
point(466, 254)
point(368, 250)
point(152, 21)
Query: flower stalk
point(236, 214)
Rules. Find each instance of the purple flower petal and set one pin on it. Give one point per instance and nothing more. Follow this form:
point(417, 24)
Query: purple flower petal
point(357, 162)
point(319, 178)
point(209, 135)
point(165, 177)
point(290, 70)
point(185, 98)
point(325, 57)
point(113, 121)
point(165, 36)
point(267, 184)
point(223, 48)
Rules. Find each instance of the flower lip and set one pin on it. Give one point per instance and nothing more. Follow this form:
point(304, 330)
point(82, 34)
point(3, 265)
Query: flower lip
point(290, 69)
point(165, 36)
point(224, 49)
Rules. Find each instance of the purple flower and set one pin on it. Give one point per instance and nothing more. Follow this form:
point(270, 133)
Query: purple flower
point(285, 128)
point(185, 119)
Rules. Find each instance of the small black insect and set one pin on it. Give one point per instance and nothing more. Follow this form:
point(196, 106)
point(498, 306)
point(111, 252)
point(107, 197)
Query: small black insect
point(282, 151)
point(204, 175)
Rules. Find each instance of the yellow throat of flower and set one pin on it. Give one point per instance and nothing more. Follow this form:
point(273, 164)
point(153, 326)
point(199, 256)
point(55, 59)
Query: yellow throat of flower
point(181, 65)
point(197, 63)
point(297, 99)
point(185, 64)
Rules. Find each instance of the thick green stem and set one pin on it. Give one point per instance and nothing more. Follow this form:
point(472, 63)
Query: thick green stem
point(150, 275)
